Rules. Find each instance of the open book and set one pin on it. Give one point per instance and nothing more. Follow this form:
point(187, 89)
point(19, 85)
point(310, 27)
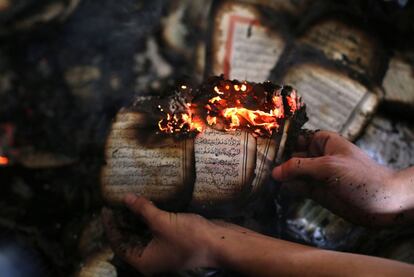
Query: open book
point(215, 169)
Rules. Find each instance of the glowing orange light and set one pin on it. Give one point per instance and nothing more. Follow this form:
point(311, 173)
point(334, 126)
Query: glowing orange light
point(256, 118)
point(211, 120)
point(183, 86)
point(260, 121)
point(214, 99)
point(179, 122)
point(278, 106)
point(4, 160)
point(235, 111)
point(217, 90)
point(291, 99)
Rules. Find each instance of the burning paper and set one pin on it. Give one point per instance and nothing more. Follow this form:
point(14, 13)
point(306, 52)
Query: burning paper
point(210, 148)
point(179, 113)
point(259, 108)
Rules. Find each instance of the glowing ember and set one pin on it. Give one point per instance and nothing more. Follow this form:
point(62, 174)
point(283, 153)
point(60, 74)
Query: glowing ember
point(260, 108)
point(214, 99)
point(211, 120)
point(4, 160)
point(217, 90)
point(253, 118)
point(292, 102)
point(182, 122)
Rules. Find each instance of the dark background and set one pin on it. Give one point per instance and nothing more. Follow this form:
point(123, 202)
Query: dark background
point(67, 66)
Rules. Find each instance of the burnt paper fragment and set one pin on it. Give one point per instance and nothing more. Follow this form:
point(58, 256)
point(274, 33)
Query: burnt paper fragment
point(388, 143)
point(309, 222)
point(335, 101)
point(98, 265)
point(27, 15)
point(160, 169)
point(349, 34)
point(398, 83)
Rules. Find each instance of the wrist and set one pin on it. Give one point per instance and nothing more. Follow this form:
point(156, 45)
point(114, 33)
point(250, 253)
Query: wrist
point(403, 184)
point(396, 199)
point(228, 244)
point(215, 246)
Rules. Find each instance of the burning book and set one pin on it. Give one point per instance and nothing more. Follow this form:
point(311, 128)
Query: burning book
point(258, 108)
point(210, 147)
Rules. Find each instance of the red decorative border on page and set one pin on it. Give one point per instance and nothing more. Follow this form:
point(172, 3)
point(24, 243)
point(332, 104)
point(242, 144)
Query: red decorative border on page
point(234, 19)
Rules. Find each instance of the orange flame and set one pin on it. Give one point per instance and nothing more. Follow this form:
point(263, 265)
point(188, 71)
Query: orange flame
point(211, 120)
point(255, 118)
point(4, 160)
point(217, 90)
point(238, 105)
point(243, 87)
point(214, 99)
point(179, 122)
point(291, 99)
point(230, 106)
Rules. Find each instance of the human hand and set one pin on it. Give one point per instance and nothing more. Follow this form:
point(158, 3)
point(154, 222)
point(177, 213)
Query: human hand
point(341, 177)
point(180, 241)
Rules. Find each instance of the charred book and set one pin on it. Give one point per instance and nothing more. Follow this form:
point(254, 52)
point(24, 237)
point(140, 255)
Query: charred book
point(215, 144)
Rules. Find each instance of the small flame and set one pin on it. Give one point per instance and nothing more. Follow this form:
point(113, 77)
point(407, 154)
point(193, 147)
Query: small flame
point(237, 105)
point(231, 107)
point(4, 160)
point(292, 101)
point(268, 121)
point(217, 90)
point(278, 110)
point(211, 120)
point(214, 99)
point(186, 122)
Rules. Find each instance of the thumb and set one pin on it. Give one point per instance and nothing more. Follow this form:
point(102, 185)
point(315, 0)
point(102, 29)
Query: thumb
point(143, 208)
point(317, 168)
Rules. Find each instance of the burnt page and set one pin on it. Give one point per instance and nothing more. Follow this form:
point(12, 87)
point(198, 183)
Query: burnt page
point(98, 265)
point(158, 169)
point(334, 101)
point(265, 160)
point(345, 44)
point(388, 142)
point(398, 82)
point(224, 165)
